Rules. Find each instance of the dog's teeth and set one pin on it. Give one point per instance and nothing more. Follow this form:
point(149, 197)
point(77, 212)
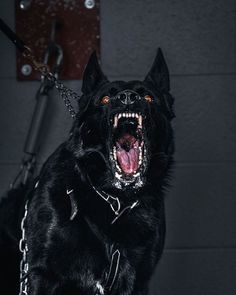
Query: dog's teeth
point(123, 115)
point(117, 175)
point(114, 153)
point(140, 120)
point(119, 116)
point(115, 121)
point(136, 116)
point(118, 168)
point(136, 174)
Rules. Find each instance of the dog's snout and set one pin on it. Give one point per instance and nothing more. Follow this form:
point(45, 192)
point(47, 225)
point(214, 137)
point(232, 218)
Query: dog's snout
point(127, 97)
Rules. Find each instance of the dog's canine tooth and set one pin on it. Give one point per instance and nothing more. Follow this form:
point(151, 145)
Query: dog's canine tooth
point(140, 121)
point(115, 121)
point(136, 115)
point(114, 153)
point(119, 116)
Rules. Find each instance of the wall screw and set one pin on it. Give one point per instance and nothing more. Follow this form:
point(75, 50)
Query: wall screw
point(89, 4)
point(26, 70)
point(25, 4)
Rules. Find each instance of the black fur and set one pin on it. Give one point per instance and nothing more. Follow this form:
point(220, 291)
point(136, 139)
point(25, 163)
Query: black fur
point(70, 256)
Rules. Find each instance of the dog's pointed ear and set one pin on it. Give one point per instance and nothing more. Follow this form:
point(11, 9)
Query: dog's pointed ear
point(159, 73)
point(93, 75)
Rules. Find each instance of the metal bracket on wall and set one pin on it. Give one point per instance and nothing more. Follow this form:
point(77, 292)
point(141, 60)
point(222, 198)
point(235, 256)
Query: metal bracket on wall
point(78, 33)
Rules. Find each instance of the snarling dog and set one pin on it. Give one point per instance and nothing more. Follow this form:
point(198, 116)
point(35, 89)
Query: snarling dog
point(94, 218)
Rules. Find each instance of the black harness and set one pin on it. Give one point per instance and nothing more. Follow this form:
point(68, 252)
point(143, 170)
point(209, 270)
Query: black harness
point(115, 206)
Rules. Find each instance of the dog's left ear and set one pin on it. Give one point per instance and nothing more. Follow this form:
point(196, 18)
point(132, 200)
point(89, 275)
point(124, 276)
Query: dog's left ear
point(159, 73)
point(93, 75)
point(158, 77)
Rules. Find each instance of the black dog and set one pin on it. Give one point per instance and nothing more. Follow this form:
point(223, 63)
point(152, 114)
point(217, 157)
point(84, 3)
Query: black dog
point(95, 221)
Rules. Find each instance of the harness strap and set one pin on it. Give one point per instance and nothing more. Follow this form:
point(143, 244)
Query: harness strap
point(74, 207)
point(114, 203)
point(115, 257)
point(116, 207)
point(113, 270)
point(126, 209)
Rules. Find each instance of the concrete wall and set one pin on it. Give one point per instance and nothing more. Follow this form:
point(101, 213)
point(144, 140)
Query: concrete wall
point(199, 41)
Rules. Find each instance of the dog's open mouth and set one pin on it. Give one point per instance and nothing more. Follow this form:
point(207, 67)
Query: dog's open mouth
point(128, 145)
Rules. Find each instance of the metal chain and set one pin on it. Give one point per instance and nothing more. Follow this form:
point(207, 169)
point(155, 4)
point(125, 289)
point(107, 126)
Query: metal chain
point(24, 266)
point(65, 93)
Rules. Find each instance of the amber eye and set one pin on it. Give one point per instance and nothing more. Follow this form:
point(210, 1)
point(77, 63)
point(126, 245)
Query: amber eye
point(148, 98)
point(105, 99)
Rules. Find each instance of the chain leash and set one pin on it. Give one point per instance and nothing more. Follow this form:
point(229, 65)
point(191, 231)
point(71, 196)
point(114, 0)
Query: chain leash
point(23, 247)
point(66, 94)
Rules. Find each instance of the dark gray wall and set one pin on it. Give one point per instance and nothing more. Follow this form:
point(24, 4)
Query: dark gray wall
point(199, 42)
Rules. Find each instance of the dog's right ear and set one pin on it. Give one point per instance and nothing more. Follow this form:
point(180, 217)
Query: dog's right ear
point(158, 76)
point(93, 75)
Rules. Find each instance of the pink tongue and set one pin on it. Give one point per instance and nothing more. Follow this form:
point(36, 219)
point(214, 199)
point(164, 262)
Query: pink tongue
point(128, 161)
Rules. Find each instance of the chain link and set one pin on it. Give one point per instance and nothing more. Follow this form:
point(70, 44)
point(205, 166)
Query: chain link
point(24, 266)
point(66, 94)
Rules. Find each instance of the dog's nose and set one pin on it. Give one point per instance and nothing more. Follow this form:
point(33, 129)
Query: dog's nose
point(127, 97)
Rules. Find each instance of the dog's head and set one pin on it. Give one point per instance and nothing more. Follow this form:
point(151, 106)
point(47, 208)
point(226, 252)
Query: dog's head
point(122, 134)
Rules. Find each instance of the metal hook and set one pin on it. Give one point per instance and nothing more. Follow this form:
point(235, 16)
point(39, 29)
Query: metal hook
point(54, 50)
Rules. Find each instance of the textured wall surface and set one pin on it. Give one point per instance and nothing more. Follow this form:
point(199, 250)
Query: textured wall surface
point(199, 41)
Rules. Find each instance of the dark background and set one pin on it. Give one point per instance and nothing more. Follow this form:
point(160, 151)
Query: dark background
point(199, 42)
